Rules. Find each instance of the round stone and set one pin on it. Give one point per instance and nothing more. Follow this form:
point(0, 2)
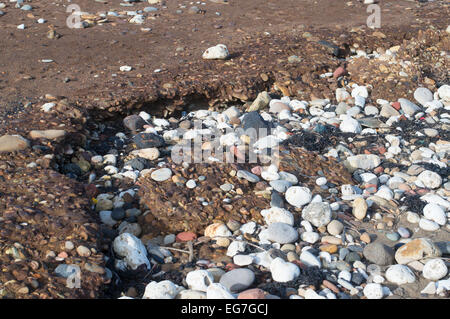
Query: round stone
point(83, 251)
point(237, 279)
point(435, 213)
point(335, 227)
point(161, 174)
point(318, 214)
point(379, 254)
point(283, 271)
point(435, 269)
point(277, 215)
point(321, 181)
point(118, 213)
point(400, 275)
point(393, 236)
point(373, 291)
point(423, 95)
point(430, 179)
point(281, 233)
point(298, 196)
point(191, 184)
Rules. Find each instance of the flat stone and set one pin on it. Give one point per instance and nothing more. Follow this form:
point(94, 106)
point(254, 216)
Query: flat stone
point(161, 174)
point(237, 280)
point(47, 134)
point(148, 140)
point(11, 143)
point(254, 293)
point(363, 161)
point(252, 178)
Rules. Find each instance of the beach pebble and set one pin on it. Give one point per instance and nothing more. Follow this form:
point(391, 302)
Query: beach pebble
point(237, 280)
point(309, 259)
point(236, 247)
point(428, 225)
point(11, 143)
point(298, 196)
point(335, 227)
point(243, 260)
point(430, 179)
point(310, 237)
point(280, 233)
point(408, 107)
point(219, 51)
point(417, 249)
point(379, 254)
point(350, 125)
point(363, 161)
point(161, 290)
point(283, 271)
point(248, 176)
point(359, 208)
point(277, 215)
point(161, 174)
point(373, 291)
point(400, 275)
point(218, 291)
point(199, 279)
point(131, 248)
point(423, 95)
point(444, 92)
point(435, 213)
point(318, 214)
point(434, 269)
